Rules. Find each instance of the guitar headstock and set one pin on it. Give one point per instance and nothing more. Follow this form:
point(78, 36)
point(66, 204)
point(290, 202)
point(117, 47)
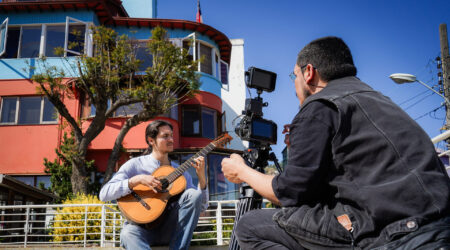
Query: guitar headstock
point(222, 140)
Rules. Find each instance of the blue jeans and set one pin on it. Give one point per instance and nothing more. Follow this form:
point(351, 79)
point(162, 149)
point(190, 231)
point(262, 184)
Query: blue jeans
point(176, 229)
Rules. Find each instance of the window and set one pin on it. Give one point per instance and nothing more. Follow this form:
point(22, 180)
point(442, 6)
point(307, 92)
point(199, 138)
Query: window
point(34, 180)
point(143, 55)
point(3, 32)
point(55, 38)
point(28, 41)
point(219, 187)
point(206, 54)
point(191, 120)
point(209, 123)
point(223, 72)
point(129, 110)
point(27, 110)
point(199, 121)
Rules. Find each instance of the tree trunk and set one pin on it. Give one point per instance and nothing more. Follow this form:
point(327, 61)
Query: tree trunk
point(115, 154)
point(79, 176)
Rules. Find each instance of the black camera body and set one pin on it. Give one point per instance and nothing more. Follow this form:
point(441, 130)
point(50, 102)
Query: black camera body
point(253, 127)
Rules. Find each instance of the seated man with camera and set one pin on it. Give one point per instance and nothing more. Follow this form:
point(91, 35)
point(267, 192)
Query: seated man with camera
point(361, 174)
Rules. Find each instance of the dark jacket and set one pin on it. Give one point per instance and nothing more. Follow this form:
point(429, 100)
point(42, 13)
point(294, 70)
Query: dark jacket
point(386, 176)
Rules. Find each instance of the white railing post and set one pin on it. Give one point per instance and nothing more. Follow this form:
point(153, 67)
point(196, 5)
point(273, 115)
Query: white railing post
point(27, 214)
point(219, 224)
point(85, 225)
point(114, 229)
point(103, 223)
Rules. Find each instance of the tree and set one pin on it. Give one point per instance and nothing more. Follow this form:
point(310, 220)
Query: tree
point(109, 80)
point(169, 80)
point(60, 170)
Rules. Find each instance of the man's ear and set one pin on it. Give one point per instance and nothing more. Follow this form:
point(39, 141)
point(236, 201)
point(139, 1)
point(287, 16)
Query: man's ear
point(309, 74)
point(150, 141)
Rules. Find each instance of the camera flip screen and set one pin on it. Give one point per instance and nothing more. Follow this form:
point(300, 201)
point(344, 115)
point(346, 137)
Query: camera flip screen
point(261, 79)
point(264, 130)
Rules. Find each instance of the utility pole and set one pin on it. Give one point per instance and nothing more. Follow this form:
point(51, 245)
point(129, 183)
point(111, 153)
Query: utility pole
point(443, 38)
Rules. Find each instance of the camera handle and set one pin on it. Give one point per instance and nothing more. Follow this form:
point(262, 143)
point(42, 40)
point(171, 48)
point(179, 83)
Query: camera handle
point(249, 199)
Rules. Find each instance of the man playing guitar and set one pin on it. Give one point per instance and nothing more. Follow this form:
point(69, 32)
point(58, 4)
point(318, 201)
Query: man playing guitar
point(181, 215)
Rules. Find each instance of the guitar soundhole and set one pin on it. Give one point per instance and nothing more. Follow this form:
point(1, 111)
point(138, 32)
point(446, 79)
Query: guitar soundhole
point(165, 184)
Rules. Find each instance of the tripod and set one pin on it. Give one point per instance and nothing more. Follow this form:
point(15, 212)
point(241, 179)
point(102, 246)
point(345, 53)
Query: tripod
point(249, 199)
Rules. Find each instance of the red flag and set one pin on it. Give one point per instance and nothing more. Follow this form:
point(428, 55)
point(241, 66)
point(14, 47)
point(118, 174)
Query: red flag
point(199, 18)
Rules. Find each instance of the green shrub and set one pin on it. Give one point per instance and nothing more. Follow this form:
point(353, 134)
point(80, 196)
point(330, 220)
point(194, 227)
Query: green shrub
point(69, 222)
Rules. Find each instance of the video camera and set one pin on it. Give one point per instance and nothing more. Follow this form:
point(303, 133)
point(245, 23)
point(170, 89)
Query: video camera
point(253, 127)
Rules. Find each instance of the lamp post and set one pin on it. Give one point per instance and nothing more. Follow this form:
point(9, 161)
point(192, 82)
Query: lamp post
point(401, 78)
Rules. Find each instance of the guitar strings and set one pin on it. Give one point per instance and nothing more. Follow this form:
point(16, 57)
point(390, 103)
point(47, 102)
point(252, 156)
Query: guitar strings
point(179, 171)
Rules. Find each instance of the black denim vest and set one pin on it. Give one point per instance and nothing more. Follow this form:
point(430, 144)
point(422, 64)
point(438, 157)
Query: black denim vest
point(387, 176)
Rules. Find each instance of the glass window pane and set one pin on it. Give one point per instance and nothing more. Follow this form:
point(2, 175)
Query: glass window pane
point(219, 187)
point(191, 171)
point(191, 121)
point(43, 179)
point(3, 28)
point(144, 56)
point(31, 38)
point(224, 72)
point(190, 49)
point(206, 65)
point(29, 110)
point(55, 39)
point(50, 113)
point(129, 110)
point(12, 43)
point(25, 179)
point(76, 39)
point(209, 123)
point(9, 109)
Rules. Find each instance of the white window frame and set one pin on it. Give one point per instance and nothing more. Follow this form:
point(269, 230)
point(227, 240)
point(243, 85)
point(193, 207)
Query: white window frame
point(5, 37)
point(87, 37)
point(192, 36)
point(16, 118)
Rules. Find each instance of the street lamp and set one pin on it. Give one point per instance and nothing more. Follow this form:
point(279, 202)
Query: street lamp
point(401, 78)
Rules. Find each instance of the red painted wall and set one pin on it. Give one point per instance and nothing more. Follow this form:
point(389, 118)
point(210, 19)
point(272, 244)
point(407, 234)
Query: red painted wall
point(24, 147)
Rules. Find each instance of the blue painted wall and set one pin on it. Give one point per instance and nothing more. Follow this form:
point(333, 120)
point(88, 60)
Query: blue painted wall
point(13, 68)
point(49, 17)
point(141, 8)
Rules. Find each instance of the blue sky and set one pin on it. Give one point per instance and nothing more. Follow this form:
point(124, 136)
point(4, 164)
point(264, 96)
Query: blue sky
point(385, 37)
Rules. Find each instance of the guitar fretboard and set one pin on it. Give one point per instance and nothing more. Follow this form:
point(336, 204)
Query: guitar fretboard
point(187, 164)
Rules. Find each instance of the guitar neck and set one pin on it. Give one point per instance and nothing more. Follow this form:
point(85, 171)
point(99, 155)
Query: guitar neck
point(187, 164)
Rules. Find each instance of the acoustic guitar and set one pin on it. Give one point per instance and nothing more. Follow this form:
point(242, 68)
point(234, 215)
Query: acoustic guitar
point(143, 205)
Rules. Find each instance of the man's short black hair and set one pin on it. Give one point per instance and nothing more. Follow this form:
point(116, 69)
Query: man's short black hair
point(330, 56)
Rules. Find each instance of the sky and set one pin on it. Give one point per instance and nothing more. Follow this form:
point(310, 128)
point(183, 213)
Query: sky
point(385, 37)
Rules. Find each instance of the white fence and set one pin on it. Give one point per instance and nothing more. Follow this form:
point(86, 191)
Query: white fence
point(96, 225)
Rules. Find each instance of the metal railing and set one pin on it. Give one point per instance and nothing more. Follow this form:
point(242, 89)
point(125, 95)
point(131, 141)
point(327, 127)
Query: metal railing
point(96, 225)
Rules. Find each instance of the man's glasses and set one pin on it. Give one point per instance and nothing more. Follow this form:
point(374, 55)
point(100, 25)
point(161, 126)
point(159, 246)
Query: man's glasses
point(292, 75)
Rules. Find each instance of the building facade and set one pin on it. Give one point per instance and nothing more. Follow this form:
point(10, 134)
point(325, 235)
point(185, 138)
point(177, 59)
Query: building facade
point(29, 130)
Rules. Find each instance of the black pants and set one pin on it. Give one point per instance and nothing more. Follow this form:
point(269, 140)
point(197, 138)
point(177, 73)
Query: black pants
point(257, 230)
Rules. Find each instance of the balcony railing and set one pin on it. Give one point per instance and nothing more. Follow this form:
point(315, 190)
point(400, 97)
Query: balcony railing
point(96, 225)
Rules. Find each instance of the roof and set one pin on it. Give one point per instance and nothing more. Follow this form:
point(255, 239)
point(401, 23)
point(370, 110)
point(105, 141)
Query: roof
point(111, 12)
point(104, 9)
point(22, 188)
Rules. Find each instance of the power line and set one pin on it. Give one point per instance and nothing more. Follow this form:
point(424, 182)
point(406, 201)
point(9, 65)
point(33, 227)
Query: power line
point(428, 113)
point(410, 106)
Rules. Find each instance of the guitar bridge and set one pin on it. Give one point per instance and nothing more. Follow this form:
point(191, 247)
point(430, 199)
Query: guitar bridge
point(140, 200)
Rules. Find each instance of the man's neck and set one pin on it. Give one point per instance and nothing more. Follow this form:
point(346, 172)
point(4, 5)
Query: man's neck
point(163, 158)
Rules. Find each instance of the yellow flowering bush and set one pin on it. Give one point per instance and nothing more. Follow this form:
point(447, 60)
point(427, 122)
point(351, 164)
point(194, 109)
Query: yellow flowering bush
point(70, 223)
